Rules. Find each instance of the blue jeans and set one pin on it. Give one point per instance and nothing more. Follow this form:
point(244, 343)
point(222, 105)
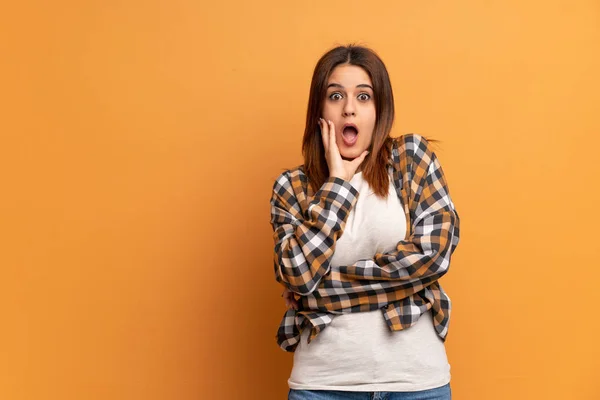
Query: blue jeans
point(441, 393)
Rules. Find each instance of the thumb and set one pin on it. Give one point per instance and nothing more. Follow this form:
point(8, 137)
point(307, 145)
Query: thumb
point(358, 160)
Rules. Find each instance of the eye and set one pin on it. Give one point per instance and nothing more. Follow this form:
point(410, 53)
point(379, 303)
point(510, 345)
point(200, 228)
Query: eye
point(335, 96)
point(364, 96)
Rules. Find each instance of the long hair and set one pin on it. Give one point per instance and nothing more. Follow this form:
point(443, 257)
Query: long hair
point(374, 166)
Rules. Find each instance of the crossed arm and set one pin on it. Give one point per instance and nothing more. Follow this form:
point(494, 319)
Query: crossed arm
point(304, 245)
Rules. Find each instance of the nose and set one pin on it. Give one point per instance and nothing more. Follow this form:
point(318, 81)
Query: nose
point(349, 110)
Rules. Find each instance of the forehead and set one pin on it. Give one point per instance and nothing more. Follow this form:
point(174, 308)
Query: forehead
point(349, 76)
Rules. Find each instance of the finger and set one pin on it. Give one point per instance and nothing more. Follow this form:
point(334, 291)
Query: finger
point(291, 304)
point(354, 164)
point(332, 140)
point(324, 134)
point(331, 132)
point(360, 158)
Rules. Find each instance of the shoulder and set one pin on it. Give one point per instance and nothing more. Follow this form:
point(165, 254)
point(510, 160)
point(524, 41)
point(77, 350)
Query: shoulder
point(411, 149)
point(413, 143)
point(288, 178)
point(290, 174)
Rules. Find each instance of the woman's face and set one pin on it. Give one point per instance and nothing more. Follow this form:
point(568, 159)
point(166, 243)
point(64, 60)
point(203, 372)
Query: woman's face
point(349, 104)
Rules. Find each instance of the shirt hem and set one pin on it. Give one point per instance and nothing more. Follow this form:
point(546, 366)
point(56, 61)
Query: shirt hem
point(374, 387)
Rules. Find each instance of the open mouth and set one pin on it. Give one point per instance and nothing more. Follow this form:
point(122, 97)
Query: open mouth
point(349, 134)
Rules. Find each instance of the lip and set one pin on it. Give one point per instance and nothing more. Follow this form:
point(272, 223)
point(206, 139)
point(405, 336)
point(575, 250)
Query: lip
point(346, 141)
point(352, 125)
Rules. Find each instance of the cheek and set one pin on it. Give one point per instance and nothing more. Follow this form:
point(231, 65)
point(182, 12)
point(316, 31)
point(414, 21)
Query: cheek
point(369, 138)
point(371, 121)
point(328, 111)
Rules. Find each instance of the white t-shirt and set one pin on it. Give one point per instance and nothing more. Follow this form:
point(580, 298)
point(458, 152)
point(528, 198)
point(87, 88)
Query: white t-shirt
point(357, 351)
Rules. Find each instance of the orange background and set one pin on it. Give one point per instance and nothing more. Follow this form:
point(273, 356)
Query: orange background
point(140, 141)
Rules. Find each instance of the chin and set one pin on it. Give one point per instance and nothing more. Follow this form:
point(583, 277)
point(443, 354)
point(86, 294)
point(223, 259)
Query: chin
point(350, 154)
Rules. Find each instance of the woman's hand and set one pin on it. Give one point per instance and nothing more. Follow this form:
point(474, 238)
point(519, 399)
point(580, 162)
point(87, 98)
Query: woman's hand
point(338, 167)
point(290, 301)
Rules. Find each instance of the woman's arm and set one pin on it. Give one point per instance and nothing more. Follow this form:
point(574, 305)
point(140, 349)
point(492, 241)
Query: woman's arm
point(435, 235)
point(304, 245)
point(417, 261)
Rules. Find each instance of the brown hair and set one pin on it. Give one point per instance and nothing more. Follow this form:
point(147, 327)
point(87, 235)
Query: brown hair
point(374, 165)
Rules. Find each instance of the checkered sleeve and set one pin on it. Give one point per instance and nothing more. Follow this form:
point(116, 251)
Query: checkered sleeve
point(305, 242)
point(417, 261)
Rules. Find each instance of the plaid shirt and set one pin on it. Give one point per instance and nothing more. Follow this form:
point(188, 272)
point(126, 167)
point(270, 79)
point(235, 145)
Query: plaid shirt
point(402, 283)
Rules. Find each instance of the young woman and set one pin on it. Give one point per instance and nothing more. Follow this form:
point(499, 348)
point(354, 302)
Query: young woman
point(363, 231)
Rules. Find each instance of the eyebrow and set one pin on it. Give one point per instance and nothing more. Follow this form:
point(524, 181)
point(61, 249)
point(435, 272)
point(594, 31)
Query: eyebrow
point(342, 87)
